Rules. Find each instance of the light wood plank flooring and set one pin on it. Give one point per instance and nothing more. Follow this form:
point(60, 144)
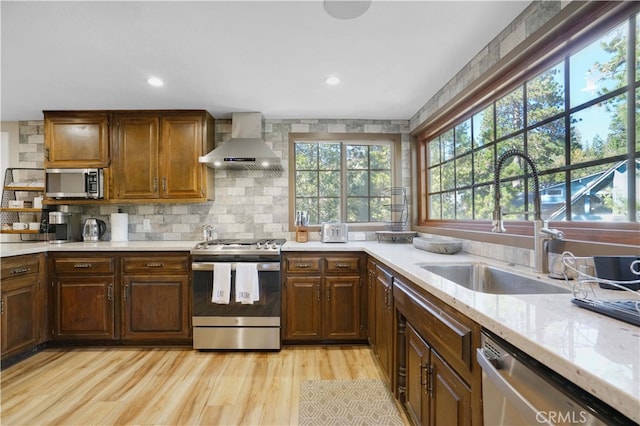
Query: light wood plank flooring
point(171, 386)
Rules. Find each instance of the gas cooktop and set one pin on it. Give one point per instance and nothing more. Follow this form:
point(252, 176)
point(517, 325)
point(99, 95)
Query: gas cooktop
point(238, 246)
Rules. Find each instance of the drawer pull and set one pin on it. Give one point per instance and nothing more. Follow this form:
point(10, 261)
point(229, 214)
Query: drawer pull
point(303, 265)
point(110, 292)
point(82, 265)
point(155, 265)
point(343, 265)
point(20, 271)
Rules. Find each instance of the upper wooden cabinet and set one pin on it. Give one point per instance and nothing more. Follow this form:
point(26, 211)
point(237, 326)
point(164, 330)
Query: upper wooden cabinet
point(76, 139)
point(137, 139)
point(148, 155)
point(156, 156)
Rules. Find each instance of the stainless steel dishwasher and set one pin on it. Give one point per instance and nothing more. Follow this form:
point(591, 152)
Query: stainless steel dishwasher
point(518, 390)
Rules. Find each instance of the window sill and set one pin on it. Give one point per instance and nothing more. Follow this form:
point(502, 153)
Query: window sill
point(584, 237)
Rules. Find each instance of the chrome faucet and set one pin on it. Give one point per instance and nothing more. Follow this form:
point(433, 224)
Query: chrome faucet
point(541, 232)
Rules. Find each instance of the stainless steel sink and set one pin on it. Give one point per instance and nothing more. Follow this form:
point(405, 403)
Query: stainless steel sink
point(488, 279)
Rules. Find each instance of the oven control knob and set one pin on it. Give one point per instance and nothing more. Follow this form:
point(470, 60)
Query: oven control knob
point(273, 245)
point(259, 245)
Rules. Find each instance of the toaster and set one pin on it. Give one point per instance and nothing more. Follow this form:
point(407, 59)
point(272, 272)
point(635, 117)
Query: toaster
point(333, 232)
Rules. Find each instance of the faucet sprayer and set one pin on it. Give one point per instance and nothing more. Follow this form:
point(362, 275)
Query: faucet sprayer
point(541, 232)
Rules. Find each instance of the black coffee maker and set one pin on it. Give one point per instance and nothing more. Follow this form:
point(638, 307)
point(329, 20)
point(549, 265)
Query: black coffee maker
point(61, 227)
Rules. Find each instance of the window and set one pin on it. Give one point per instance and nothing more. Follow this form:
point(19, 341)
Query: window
point(573, 118)
point(345, 179)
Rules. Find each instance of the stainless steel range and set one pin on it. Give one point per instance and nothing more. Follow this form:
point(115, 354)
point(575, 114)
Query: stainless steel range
point(237, 322)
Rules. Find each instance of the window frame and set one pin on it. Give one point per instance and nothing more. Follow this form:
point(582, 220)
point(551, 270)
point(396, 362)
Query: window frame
point(370, 138)
point(578, 25)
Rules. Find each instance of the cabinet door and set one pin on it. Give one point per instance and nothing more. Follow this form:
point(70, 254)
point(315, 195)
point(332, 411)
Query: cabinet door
point(83, 307)
point(302, 306)
point(181, 174)
point(451, 399)
point(136, 157)
point(384, 320)
point(76, 139)
point(342, 307)
point(371, 302)
point(20, 314)
point(417, 370)
point(155, 306)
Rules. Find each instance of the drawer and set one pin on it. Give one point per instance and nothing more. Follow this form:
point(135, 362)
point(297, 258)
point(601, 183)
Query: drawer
point(160, 265)
point(302, 264)
point(83, 265)
point(340, 265)
point(17, 266)
point(445, 330)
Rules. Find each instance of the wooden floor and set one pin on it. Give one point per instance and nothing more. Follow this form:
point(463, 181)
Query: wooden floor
point(123, 386)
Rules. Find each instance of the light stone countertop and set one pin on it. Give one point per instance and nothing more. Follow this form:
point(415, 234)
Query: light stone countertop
point(597, 353)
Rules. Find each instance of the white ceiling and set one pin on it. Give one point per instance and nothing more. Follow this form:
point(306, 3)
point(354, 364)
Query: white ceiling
point(227, 56)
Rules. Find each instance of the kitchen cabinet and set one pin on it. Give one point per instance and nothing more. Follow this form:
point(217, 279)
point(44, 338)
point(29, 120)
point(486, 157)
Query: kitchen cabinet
point(155, 297)
point(156, 156)
point(22, 304)
point(322, 297)
point(435, 395)
point(371, 302)
point(384, 320)
point(438, 380)
point(83, 289)
point(121, 297)
point(76, 139)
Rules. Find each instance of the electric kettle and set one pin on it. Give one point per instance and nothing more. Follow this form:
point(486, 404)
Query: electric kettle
point(93, 229)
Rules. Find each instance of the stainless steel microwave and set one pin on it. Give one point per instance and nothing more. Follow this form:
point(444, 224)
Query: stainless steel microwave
point(75, 183)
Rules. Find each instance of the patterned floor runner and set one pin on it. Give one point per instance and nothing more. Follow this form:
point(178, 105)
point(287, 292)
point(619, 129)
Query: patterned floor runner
point(347, 402)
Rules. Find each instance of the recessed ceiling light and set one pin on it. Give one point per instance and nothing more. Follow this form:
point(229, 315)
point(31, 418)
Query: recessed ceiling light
point(155, 81)
point(332, 80)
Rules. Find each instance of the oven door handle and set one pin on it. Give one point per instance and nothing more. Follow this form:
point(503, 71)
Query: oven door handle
point(209, 266)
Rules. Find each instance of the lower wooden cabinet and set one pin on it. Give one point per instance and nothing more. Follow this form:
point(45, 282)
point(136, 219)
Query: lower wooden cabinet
point(155, 297)
point(22, 305)
point(83, 297)
point(438, 380)
point(322, 297)
point(132, 297)
point(435, 394)
point(384, 324)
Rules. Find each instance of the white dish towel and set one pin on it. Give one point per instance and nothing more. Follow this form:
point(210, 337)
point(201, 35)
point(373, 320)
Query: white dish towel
point(247, 287)
point(221, 283)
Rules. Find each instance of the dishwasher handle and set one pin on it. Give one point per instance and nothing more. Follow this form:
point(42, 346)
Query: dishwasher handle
point(524, 407)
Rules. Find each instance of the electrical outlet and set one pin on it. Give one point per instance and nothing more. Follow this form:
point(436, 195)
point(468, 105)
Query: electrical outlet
point(359, 236)
point(146, 224)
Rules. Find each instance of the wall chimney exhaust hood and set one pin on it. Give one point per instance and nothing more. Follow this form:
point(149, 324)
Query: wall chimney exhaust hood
point(246, 150)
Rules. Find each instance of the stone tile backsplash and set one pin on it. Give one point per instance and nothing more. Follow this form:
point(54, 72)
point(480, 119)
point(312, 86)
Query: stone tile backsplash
point(248, 204)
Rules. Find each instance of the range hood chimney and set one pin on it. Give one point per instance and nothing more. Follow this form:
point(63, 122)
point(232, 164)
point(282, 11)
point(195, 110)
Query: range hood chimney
point(246, 150)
